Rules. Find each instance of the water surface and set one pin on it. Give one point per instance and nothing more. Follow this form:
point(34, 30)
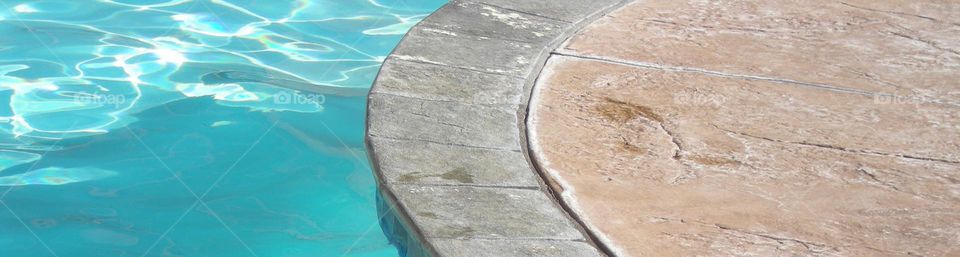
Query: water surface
point(191, 128)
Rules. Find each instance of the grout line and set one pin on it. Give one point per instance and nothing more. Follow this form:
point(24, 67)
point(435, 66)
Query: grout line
point(593, 236)
point(839, 89)
point(442, 143)
point(413, 59)
point(537, 188)
point(509, 239)
point(529, 74)
point(713, 73)
point(458, 102)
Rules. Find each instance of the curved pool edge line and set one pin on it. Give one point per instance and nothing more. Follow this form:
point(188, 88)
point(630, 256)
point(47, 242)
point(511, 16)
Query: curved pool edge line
point(446, 130)
point(395, 223)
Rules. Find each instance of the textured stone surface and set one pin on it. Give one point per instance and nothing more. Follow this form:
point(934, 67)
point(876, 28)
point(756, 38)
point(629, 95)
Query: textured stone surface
point(435, 82)
point(908, 48)
point(565, 10)
point(443, 122)
point(475, 19)
point(692, 162)
point(492, 213)
point(501, 248)
point(684, 164)
point(444, 133)
point(448, 48)
point(417, 162)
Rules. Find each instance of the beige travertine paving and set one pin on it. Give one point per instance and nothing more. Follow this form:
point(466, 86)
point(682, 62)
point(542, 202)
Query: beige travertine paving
point(760, 128)
point(906, 47)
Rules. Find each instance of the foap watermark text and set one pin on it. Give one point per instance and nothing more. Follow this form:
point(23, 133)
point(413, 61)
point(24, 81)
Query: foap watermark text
point(284, 98)
point(99, 99)
point(699, 99)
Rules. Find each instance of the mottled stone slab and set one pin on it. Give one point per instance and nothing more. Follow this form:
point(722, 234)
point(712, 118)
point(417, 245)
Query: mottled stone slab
point(443, 83)
point(478, 212)
point(672, 163)
point(418, 162)
point(565, 10)
point(744, 153)
point(501, 248)
point(443, 122)
point(470, 18)
point(907, 48)
point(465, 51)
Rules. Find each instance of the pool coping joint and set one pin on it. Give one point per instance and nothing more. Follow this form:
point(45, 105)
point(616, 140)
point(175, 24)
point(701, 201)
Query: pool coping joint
point(446, 134)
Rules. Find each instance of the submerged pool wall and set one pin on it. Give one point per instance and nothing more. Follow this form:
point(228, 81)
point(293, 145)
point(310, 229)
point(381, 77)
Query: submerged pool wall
point(399, 231)
point(445, 131)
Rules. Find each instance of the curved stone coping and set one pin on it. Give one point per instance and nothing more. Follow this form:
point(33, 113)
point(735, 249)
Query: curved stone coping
point(445, 128)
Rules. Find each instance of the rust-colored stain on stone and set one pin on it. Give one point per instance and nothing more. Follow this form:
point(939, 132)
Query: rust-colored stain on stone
point(760, 128)
point(622, 112)
point(458, 174)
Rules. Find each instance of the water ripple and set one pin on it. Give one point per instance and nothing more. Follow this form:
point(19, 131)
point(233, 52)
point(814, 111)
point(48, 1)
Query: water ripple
point(81, 68)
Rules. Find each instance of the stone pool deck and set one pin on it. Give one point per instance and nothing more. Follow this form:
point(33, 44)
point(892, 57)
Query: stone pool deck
point(446, 129)
point(759, 128)
point(675, 128)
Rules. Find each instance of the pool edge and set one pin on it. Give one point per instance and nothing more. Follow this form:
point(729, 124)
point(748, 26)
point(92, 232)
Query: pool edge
point(398, 129)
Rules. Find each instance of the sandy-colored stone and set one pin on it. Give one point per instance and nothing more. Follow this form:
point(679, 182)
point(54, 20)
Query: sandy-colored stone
point(692, 162)
point(903, 47)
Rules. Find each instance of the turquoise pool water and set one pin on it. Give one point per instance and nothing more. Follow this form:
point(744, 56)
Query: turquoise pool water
point(191, 128)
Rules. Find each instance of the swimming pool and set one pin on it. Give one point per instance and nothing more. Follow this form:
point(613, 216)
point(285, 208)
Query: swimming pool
point(191, 128)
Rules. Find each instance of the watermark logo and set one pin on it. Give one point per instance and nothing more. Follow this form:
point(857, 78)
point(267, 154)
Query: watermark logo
point(286, 98)
point(900, 100)
point(99, 99)
point(282, 98)
point(699, 99)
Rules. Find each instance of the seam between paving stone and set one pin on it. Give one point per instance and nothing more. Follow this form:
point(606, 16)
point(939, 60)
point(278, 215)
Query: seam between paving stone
point(708, 72)
point(400, 59)
point(466, 185)
point(404, 202)
point(411, 59)
point(445, 143)
point(646, 65)
point(510, 239)
point(554, 189)
point(446, 101)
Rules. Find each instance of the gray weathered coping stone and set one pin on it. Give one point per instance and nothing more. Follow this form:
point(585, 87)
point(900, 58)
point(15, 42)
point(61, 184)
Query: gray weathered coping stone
point(464, 17)
point(568, 11)
point(451, 123)
point(419, 162)
point(445, 130)
point(443, 83)
point(467, 51)
point(484, 212)
point(500, 248)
